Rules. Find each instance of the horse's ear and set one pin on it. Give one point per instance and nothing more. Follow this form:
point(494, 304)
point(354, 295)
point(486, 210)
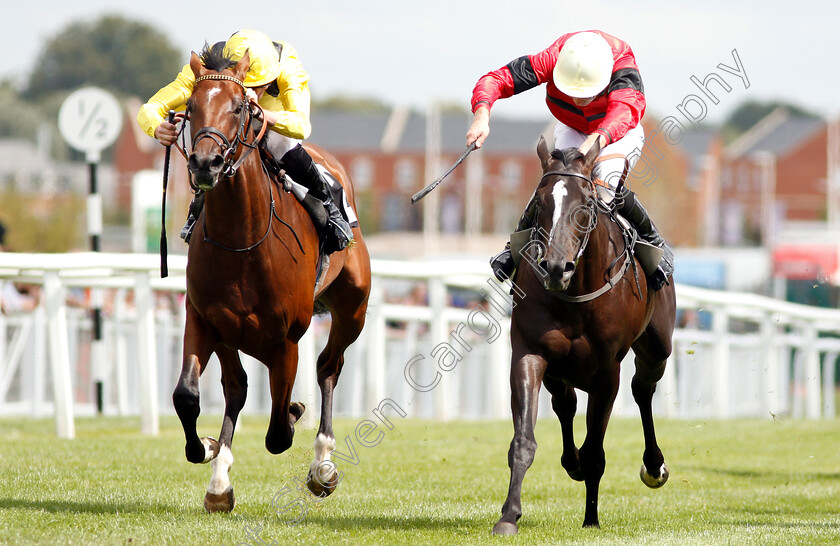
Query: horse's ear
point(243, 65)
point(591, 156)
point(543, 152)
point(195, 63)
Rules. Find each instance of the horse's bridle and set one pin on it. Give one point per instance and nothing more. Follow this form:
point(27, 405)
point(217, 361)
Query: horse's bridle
point(593, 203)
point(231, 165)
point(590, 205)
point(228, 148)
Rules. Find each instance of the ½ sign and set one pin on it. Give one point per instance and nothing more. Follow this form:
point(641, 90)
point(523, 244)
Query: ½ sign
point(90, 120)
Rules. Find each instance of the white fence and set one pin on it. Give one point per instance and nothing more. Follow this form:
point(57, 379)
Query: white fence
point(444, 355)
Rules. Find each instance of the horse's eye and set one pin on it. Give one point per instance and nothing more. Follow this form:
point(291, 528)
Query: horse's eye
point(238, 108)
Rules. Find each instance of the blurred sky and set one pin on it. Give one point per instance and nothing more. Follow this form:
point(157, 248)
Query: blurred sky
point(414, 53)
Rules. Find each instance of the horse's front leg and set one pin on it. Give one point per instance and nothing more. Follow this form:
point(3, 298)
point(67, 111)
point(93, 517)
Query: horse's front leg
point(219, 496)
point(592, 458)
point(525, 378)
point(564, 404)
point(198, 346)
point(282, 368)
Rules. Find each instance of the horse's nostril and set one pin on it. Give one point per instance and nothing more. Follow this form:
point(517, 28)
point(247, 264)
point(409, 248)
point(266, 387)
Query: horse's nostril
point(570, 267)
point(217, 162)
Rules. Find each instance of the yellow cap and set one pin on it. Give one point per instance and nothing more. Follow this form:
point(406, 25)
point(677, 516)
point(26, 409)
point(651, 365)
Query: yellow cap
point(584, 66)
point(265, 61)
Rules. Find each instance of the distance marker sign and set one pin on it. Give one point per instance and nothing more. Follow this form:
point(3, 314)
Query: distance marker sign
point(90, 120)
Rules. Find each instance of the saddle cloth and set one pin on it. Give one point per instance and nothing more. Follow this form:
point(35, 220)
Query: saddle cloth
point(336, 190)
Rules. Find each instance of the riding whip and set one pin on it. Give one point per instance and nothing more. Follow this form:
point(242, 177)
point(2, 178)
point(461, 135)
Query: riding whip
point(164, 268)
point(422, 193)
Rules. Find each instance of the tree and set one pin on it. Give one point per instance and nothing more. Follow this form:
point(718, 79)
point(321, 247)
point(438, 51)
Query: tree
point(114, 53)
point(18, 118)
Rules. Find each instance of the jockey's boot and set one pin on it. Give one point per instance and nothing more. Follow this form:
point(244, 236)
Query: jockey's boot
point(336, 235)
point(502, 263)
point(195, 210)
point(630, 207)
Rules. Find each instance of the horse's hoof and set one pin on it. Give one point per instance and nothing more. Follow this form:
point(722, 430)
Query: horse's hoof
point(219, 503)
point(505, 528)
point(323, 480)
point(652, 482)
point(575, 474)
point(211, 448)
point(203, 451)
point(296, 410)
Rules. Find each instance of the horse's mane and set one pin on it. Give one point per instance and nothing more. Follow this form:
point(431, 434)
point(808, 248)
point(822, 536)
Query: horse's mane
point(569, 155)
point(213, 57)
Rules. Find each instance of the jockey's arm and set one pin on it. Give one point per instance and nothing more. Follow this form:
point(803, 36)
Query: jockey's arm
point(152, 115)
point(289, 110)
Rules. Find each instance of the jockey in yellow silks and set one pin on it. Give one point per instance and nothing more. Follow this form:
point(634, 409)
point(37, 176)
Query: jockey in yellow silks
point(276, 81)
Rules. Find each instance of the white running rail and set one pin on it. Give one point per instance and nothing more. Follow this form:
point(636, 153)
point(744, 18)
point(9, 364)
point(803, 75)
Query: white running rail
point(744, 356)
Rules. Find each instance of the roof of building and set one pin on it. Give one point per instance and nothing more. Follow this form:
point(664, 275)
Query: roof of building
point(406, 131)
point(779, 133)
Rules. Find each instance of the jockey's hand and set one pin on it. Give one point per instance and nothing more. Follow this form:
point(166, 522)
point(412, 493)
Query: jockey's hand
point(167, 133)
point(251, 95)
point(480, 128)
point(590, 141)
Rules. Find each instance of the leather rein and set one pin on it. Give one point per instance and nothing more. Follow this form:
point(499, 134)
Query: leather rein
point(593, 204)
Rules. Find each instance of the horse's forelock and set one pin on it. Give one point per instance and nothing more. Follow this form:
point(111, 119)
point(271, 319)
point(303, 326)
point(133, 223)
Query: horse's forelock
point(569, 155)
point(213, 57)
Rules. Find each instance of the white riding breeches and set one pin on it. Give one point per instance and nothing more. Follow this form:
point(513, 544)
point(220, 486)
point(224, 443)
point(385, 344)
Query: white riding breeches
point(613, 158)
point(278, 144)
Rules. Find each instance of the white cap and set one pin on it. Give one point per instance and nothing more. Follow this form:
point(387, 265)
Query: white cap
point(584, 66)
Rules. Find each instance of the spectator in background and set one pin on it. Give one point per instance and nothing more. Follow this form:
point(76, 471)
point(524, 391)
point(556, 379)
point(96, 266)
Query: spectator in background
point(12, 300)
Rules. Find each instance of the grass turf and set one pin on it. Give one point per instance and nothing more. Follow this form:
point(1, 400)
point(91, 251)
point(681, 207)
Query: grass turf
point(732, 482)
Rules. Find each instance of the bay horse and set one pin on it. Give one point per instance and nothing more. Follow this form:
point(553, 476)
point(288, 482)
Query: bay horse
point(578, 308)
point(251, 277)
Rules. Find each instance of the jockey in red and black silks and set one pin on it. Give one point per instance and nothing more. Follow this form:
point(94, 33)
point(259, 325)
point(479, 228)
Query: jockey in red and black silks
point(595, 91)
point(612, 113)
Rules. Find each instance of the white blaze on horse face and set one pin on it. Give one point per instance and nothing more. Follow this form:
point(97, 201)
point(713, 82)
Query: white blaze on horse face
point(220, 481)
point(558, 192)
point(212, 94)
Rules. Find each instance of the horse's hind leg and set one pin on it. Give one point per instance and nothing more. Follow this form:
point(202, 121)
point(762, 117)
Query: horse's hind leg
point(348, 318)
point(198, 346)
point(652, 350)
point(525, 378)
point(654, 472)
point(282, 368)
point(219, 497)
point(564, 404)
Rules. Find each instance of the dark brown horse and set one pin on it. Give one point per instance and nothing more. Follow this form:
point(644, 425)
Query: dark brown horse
point(251, 283)
point(579, 307)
